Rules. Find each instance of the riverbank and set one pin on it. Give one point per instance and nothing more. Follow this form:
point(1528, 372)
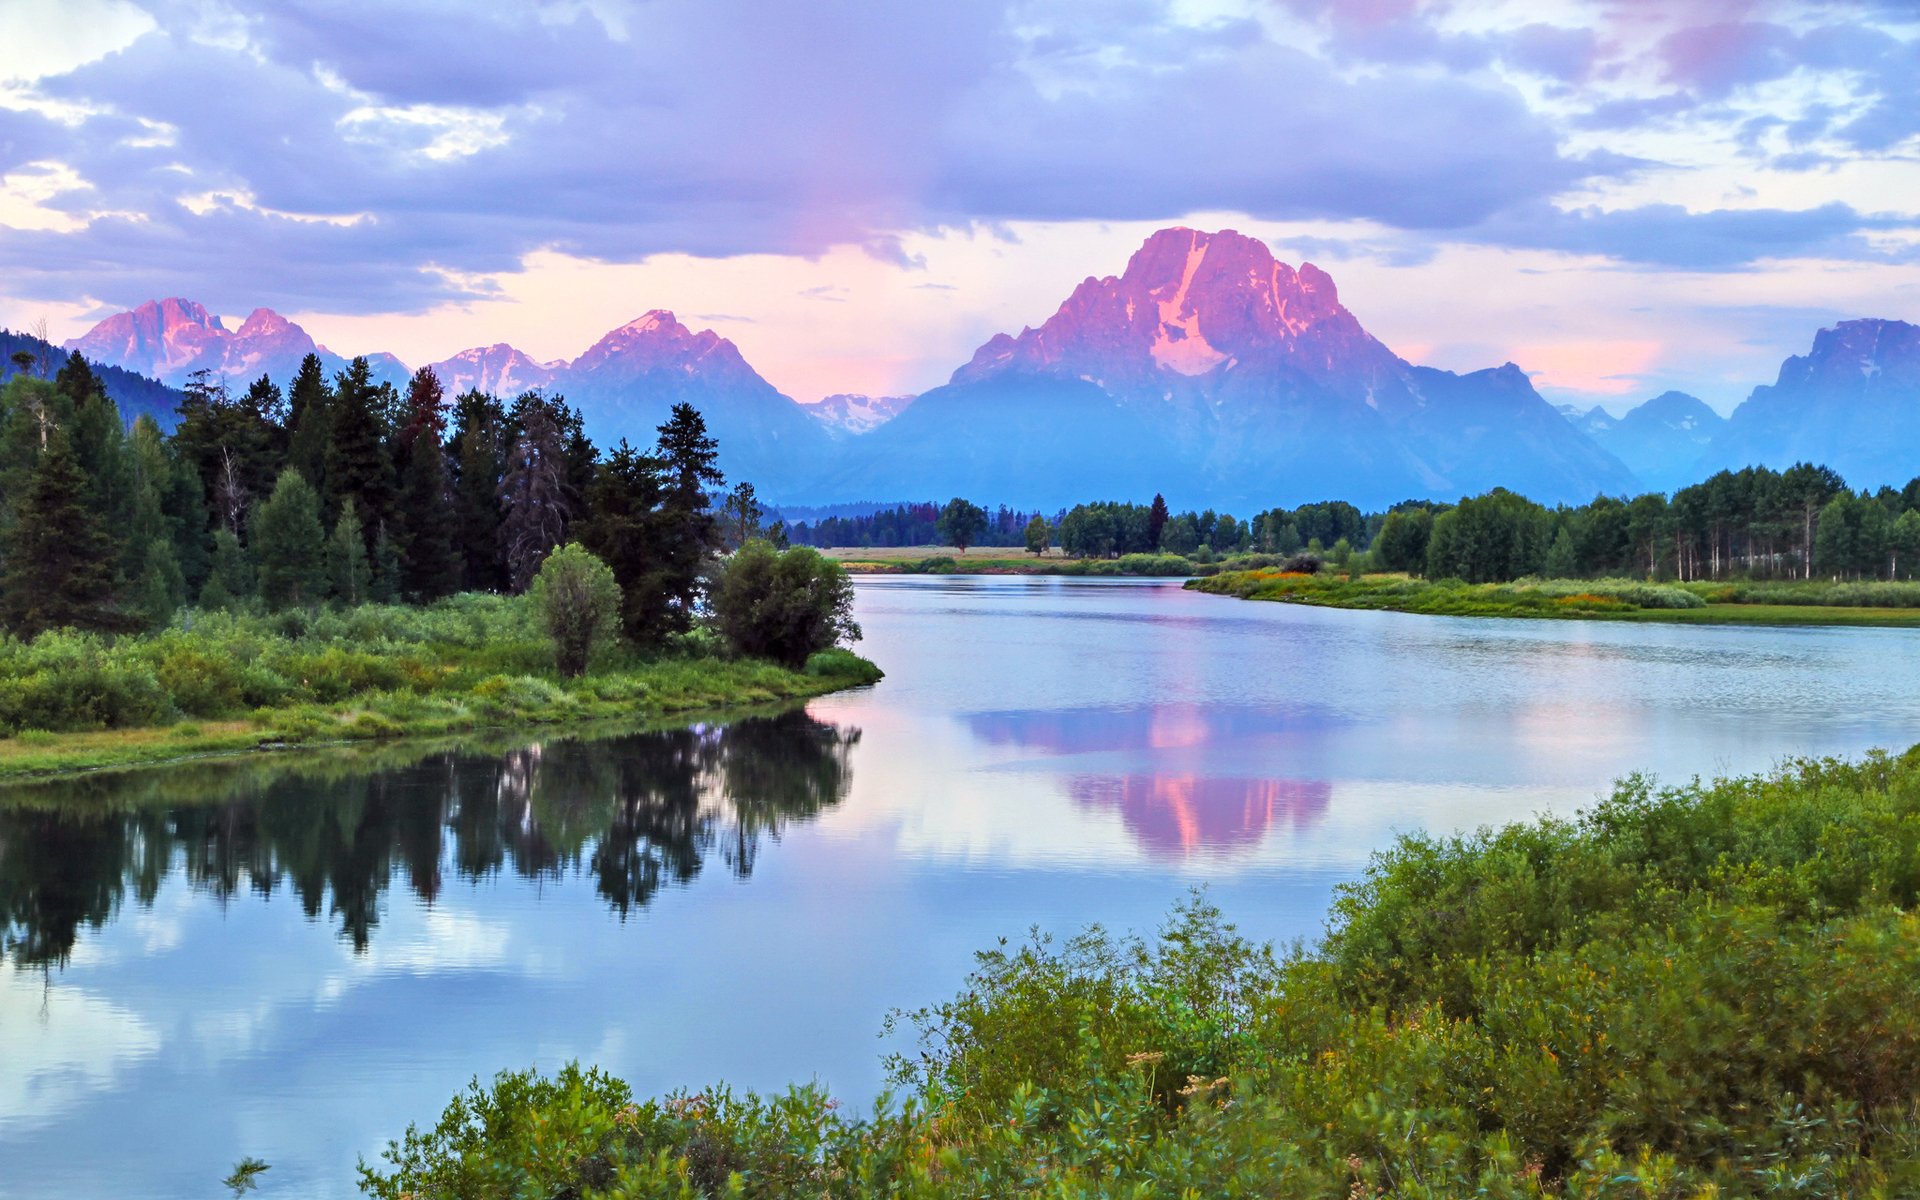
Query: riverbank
point(1003, 560)
point(218, 684)
point(1682, 992)
point(1761, 603)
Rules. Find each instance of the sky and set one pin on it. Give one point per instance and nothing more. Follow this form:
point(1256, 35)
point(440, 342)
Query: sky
point(1622, 196)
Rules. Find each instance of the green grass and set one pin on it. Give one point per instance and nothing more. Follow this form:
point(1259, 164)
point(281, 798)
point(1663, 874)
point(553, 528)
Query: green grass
point(1798, 603)
point(217, 683)
point(1698, 992)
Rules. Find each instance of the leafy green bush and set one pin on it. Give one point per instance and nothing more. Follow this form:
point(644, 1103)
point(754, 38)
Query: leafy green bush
point(1154, 564)
point(579, 605)
point(784, 605)
point(1691, 992)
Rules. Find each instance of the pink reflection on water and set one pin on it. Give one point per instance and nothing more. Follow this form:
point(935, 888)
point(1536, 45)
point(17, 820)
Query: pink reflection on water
point(1179, 816)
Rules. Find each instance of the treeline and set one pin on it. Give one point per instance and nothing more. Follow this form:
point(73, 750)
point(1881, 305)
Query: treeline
point(907, 525)
point(342, 490)
point(1755, 523)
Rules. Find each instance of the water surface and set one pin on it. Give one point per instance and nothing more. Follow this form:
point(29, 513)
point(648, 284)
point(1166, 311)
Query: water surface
point(292, 958)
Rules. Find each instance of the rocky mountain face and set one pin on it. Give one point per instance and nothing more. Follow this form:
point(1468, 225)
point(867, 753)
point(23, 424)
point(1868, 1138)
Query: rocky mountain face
point(1206, 370)
point(848, 415)
point(170, 339)
point(1211, 372)
point(1851, 403)
point(499, 369)
point(627, 382)
point(1663, 440)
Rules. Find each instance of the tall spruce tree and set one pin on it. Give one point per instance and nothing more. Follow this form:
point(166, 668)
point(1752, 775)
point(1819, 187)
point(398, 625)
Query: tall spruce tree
point(359, 466)
point(623, 527)
point(348, 567)
point(309, 422)
point(478, 461)
point(533, 494)
point(429, 563)
point(59, 564)
point(690, 533)
point(289, 544)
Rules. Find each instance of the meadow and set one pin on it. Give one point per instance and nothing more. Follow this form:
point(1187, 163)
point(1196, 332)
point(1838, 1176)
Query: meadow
point(1807, 602)
point(212, 682)
point(1691, 992)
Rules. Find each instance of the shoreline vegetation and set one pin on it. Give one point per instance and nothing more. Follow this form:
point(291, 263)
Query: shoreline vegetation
point(214, 683)
point(1776, 602)
point(1692, 991)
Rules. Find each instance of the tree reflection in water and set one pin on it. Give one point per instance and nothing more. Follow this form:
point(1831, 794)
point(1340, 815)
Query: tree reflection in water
point(637, 813)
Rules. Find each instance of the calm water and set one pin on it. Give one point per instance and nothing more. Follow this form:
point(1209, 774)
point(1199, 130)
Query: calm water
point(292, 959)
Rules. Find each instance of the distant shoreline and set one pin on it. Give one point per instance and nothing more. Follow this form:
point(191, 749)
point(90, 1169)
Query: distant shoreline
point(1774, 603)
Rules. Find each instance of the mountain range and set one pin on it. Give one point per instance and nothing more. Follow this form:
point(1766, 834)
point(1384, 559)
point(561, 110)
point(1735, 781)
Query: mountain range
point(1205, 370)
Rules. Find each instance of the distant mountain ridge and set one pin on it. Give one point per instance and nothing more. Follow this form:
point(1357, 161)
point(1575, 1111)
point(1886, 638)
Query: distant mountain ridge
point(847, 414)
point(170, 339)
point(1207, 370)
point(1211, 372)
point(1662, 440)
point(1851, 403)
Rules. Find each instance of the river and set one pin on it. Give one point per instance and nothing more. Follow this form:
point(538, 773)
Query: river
point(293, 957)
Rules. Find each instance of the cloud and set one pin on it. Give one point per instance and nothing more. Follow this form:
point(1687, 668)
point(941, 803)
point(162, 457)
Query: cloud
point(350, 156)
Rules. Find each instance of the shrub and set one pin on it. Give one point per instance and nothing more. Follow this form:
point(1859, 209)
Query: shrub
point(579, 605)
point(784, 604)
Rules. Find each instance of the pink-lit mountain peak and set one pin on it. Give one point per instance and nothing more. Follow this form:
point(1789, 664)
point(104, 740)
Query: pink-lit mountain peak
point(657, 341)
point(1189, 302)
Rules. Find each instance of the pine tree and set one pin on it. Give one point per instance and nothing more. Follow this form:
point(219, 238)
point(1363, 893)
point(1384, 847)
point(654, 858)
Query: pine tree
point(358, 464)
point(230, 575)
point(1561, 562)
point(1156, 522)
point(478, 459)
point(689, 533)
point(385, 586)
point(160, 589)
point(309, 422)
point(349, 571)
point(533, 495)
point(290, 544)
point(59, 559)
point(623, 528)
point(429, 564)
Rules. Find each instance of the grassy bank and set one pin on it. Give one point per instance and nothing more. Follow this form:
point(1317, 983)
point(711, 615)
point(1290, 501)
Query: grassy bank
point(219, 683)
point(1773, 603)
point(1706, 991)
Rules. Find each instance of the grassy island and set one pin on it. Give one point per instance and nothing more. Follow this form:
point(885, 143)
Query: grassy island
point(218, 682)
point(1702, 991)
point(1813, 602)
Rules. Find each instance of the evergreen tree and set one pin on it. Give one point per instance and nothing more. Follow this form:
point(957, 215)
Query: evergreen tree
point(533, 495)
point(310, 422)
point(1156, 522)
point(350, 574)
point(230, 575)
point(478, 460)
point(743, 513)
point(358, 465)
point(160, 589)
point(385, 585)
point(1561, 562)
point(289, 544)
point(623, 528)
point(59, 568)
point(689, 534)
point(429, 562)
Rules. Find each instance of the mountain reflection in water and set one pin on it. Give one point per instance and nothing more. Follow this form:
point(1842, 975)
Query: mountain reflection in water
point(1158, 767)
point(635, 813)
